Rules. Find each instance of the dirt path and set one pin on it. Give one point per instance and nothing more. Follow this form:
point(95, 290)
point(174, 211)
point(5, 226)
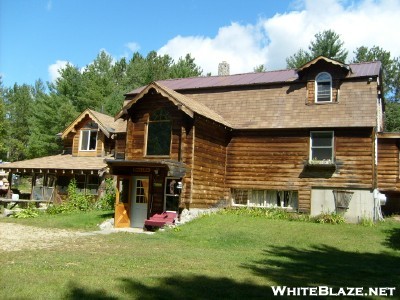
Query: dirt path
point(16, 237)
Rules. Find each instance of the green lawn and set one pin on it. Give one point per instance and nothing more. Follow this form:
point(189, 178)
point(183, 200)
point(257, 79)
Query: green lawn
point(216, 257)
point(87, 221)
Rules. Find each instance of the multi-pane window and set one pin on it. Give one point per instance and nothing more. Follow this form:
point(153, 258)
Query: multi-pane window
point(141, 191)
point(322, 146)
point(159, 133)
point(323, 87)
point(88, 140)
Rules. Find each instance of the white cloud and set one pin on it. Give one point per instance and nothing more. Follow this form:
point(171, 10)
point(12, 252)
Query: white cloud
point(271, 41)
point(132, 46)
point(237, 44)
point(54, 69)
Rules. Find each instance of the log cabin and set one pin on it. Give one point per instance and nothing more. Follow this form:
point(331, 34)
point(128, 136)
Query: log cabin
point(87, 141)
point(309, 140)
point(305, 140)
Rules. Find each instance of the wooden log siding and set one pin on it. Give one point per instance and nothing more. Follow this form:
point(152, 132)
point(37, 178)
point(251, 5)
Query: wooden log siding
point(209, 164)
point(276, 161)
point(187, 151)
point(120, 144)
point(388, 165)
point(137, 129)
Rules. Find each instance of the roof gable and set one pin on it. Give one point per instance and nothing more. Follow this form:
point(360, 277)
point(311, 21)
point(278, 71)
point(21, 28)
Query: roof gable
point(325, 59)
point(186, 104)
point(106, 123)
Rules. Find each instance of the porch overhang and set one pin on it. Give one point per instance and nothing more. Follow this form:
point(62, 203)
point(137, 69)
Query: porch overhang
point(174, 167)
point(59, 164)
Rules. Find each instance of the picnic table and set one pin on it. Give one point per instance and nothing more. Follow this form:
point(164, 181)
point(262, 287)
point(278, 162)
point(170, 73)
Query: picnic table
point(4, 202)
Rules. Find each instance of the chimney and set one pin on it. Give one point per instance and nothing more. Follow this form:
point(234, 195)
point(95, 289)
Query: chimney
point(223, 69)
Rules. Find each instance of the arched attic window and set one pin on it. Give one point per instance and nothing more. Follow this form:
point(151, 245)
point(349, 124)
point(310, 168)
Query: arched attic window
point(159, 133)
point(323, 87)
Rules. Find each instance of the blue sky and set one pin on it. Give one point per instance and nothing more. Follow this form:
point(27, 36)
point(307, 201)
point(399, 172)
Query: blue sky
point(37, 37)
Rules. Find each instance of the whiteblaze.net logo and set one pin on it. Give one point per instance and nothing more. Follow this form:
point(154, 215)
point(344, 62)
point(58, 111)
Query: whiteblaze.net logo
point(329, 291)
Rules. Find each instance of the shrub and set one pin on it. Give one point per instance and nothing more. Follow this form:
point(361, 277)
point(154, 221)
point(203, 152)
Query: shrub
point(75, 202)
point(367, 222)
point(78, 201)
point(107, 200)
point(269, 213)
point(30, 212)
point(329, 218)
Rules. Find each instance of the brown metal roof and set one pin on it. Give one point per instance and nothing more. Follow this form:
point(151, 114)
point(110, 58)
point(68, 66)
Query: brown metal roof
point(225, 81)
point(280, 105)
point(365, 69)
point(357, 70)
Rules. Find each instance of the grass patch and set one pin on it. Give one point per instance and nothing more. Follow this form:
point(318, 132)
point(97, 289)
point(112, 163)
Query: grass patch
point(88, 220)
point(218, 256)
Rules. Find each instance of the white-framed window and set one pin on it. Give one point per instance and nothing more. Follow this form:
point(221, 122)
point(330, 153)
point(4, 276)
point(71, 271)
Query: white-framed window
point(88, 140)
point(265, 198)
point(322, 147)
point(323, 88)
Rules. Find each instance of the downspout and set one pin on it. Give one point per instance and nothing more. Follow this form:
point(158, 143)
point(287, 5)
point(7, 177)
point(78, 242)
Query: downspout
point(375, 160)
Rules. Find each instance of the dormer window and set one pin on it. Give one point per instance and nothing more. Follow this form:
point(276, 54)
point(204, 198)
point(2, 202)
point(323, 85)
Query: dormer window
point(323, 88)
point(88, 140)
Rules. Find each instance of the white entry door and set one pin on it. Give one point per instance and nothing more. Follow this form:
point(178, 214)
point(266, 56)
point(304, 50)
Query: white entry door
point(140, 199)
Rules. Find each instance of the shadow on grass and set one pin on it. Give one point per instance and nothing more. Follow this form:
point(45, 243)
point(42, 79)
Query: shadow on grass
point(328, 266)
point(284, 266)
point(107, 215)
point(393, 239)
point(78, 293)
point(179, 288)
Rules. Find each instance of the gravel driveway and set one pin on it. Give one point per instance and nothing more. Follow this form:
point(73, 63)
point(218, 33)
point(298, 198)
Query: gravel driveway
point(16, 237)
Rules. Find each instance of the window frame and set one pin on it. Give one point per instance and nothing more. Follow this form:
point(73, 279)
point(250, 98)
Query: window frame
point(332, 147)
point(317, 81)
point(91, 131)
point(149, 122)
point(265, 198)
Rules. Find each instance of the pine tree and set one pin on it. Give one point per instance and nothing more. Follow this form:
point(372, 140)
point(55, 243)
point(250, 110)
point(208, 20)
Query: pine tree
point(326, 43)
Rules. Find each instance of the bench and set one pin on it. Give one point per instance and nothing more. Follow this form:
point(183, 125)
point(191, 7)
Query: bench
point(5, 201)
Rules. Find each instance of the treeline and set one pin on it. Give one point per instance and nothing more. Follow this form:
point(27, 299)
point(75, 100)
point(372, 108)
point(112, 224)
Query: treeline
point(32, 116)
